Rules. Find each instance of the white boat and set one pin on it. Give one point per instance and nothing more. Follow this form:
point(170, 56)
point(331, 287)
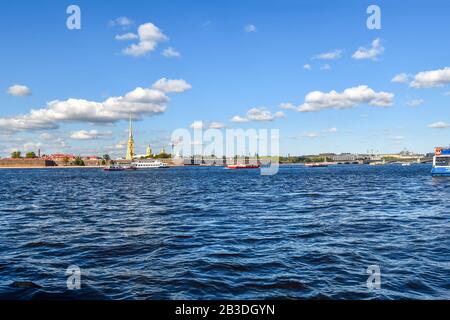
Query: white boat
point(441, 163)
point(149, 165)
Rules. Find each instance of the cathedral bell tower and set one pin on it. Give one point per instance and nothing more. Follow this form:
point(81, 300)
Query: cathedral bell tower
point(130, 145)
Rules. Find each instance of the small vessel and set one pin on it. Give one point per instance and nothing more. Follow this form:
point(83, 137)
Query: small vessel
point(407, 164)
point(316, 165)
point(113, 168)
point(243, 166)
point(441, 162)
point(149, 165)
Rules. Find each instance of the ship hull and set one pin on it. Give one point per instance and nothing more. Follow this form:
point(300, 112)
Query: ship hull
point(237, 167)
point(440, 172)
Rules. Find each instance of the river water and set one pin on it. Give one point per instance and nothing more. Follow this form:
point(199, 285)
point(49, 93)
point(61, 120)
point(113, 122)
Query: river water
point(213, 233)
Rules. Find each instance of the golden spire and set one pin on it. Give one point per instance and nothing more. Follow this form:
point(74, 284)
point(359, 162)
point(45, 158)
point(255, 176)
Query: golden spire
point(131, 126)
point(130, 145)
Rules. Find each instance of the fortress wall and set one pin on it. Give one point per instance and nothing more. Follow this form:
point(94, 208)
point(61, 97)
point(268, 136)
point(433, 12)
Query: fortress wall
point(26, 163)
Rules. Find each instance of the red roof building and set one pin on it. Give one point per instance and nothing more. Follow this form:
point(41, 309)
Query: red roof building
point(59, 157)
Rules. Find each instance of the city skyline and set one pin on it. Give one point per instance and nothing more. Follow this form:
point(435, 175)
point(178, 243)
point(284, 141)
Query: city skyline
point(312, 70)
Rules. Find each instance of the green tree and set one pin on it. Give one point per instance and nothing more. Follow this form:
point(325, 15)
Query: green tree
point(106, 157)
point(30, 155)
point(16, 154)
point(162, 155)
point(78, 162)
point(66, 161)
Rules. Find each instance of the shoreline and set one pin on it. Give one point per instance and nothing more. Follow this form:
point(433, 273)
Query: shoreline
point(65, 167)
point(54, 167)
point(170, 166)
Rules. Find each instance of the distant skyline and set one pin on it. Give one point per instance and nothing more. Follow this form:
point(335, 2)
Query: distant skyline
point(311, 69)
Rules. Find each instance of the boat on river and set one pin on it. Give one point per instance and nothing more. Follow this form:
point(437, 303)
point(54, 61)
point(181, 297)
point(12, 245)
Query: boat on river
point(316, 165)
point(441, 162)
point(243, 166)
point(114, 168)
point(149, 165)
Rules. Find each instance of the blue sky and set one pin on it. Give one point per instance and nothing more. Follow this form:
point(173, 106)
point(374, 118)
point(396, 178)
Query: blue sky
point(234, 56)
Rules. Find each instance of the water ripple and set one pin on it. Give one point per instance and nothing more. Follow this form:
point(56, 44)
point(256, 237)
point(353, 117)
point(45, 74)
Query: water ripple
point(190, 233)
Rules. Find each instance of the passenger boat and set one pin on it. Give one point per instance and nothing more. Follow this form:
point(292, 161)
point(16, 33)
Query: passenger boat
point(113, 168)
point(243, 166)
point(441, 162)
point(149, 165)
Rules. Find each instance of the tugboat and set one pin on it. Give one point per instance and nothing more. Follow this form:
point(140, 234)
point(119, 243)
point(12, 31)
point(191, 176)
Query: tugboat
point(441, 162)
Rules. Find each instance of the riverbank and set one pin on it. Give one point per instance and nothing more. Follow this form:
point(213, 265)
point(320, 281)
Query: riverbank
point(68, 167)
point(54, 167)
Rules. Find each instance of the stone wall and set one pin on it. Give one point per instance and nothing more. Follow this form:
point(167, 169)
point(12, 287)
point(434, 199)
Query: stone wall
point(26, 163)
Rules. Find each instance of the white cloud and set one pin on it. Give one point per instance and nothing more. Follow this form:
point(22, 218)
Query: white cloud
point(332, 130)
point(31, 146)
point(121, 21)
point(250, 28)
point(369, 53)
point(126, 36)
point(447, 93)
point(239, 119)
point(401, 78)
point(171, 53)
point(397, 139)
point(311, 135)
point(216, 125)
point(429, 79)
point(120, 145)
point(287, 106)
point(349, 98)
point(325, 67)
point(88, 135)
point(307, 66)
point(19, 91)
point(46, 136)
point(149, 37)
point(332, 55)
point(140, 101)
point(197, 125)
point(439, 125)
point(279, 115)
point(415, 102)
point(168, 86)
point(259, 114)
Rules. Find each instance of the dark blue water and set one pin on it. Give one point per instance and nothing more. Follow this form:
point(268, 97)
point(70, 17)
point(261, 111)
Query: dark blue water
point(212, 233)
